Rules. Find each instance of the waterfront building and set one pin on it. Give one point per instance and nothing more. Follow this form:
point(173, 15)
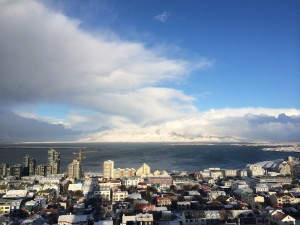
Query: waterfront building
point(41, 170)
point(29, 164)
point(143, 171)
point(53, 162)
point(108, 169)
point(16, 170)
point(284, 168)
point(74, 170)
point(255, 170)
point(242, 173)
point(231, 173)
point(216, 173)
point(4, 169)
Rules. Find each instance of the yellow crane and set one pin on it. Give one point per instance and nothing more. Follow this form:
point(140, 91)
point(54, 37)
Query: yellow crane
point(80, 154)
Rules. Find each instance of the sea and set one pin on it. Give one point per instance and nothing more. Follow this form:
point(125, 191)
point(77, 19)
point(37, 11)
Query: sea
point(159, 156)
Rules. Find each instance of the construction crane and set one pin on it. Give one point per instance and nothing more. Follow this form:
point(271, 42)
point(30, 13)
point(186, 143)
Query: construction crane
point(80, 154)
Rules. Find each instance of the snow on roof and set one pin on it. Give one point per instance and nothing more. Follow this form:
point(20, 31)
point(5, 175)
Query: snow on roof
point(72, 218)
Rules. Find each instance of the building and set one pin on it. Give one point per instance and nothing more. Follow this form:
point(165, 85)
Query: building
point(131, 181)
point(72, 219)
point(161, 180)
point(74, 170)
point(255, 170)
point(279, 199)
point(271, 179)
point(108, 169)
point(41, 170)
point(143, 171)
point(231, 173)
point(277, 217)
point(29, 165)
point(119, 173)
point(285, 169)
point(53, 162)
point(139, 219)
point(16, 170)
point(119, 195)
point(4, 169)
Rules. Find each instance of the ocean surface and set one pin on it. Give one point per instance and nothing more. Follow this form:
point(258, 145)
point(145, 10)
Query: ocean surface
point(183, 157)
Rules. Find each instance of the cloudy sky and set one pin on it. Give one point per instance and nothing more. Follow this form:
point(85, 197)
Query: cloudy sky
point(74, 70)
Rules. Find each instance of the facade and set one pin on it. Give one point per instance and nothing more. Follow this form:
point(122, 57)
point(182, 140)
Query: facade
point(161, 180)
point(105, 192)
point(74, 170)
point(285, 169)
point(41, 170)
point(119, 195)
point(108, 169)
point(119, 173)
point(143, 171)
point(231, 173)
point(139, 219)
point(29, 165)
point(271, 179)
point(216, 173)
point(131, 181)
point(255, 170)
point(280, 199)
point(53, 162)
point(16, 170)
point(277, 217)
point(4, 169)
point(73, 219)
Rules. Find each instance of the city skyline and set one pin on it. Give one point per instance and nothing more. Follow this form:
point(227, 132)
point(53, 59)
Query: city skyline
point(142, 71)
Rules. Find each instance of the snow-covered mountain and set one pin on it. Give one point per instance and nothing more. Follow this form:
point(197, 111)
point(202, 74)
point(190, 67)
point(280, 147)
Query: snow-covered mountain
point(157, 135)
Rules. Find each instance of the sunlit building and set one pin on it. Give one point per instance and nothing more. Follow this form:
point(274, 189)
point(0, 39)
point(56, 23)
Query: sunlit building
point(53, 162)
point(143, 171)
point(108, 169)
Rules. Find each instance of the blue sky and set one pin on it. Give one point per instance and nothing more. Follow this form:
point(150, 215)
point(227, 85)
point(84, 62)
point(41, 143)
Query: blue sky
point(90, 65)
point(253, 45)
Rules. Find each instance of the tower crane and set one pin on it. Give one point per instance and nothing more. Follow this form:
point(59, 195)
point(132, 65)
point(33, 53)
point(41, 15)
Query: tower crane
point(80, 154)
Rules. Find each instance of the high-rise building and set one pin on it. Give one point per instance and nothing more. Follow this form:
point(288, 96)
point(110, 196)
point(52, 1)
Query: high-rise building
point(4, 169)
point(29, 165)
point(74, 170)
point(53, 162)
point(16, 170)
point(41, 170)
point(108, 169)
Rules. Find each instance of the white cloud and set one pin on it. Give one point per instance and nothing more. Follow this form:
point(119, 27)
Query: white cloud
point(46, 57)
point(163, 17)
point(217, 125)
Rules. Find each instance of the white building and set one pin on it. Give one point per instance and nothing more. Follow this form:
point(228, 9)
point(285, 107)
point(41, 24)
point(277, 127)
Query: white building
point(255, 170)
point(231, 173)
point(119, 195)
point(75, 187)
point(108, 169)
point(261, 188)
point(73, 219)
point(131, 181)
